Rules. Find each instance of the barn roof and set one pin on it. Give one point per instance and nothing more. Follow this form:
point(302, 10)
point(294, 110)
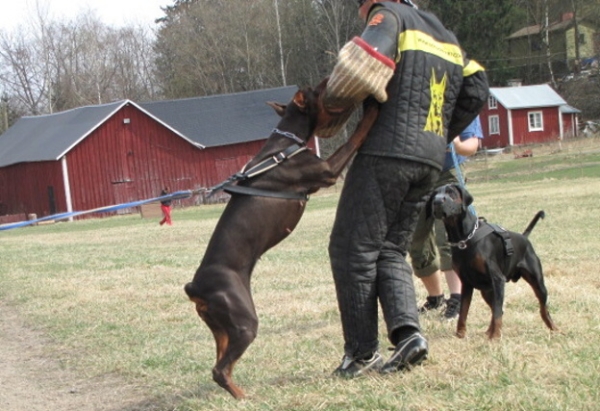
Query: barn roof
point(541, 95)
point(537, 29)
point(223, 119)
point(203, 122)
point(567, 109)
point(48, 137)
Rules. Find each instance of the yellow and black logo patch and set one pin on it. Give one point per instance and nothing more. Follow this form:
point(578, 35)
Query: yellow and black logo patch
point(435, 118)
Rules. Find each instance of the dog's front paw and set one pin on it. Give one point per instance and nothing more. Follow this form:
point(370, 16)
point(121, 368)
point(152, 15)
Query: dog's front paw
point(493, 334)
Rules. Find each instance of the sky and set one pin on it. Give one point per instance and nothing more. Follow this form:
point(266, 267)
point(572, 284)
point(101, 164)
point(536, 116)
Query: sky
point(15, 13)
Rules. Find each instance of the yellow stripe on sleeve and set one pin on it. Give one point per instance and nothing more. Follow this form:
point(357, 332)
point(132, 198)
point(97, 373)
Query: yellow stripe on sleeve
point(471, 68)
point(418, 41)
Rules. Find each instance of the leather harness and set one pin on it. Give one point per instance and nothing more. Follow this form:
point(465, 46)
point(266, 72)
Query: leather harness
point(230, 185)
point(482, 229)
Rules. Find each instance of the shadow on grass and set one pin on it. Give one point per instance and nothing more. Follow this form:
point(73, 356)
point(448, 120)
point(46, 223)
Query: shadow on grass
point(178, 401)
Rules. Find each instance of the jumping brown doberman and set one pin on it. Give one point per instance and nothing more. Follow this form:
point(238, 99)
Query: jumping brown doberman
point(262, 211)
point(486, 256)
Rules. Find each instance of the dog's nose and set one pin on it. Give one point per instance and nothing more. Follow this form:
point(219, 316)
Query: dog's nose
point(439, 199)
point(437, 206)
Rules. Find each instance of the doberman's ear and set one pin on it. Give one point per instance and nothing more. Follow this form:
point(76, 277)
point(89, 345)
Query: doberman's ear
point(300, 99)
point(278, 107)
point(466, 196)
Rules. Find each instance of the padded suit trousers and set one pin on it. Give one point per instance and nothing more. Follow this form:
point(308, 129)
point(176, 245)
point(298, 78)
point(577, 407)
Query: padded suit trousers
point(375, 220)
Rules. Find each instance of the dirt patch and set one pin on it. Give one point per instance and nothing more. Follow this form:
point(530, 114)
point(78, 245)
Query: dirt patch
point(32, 381)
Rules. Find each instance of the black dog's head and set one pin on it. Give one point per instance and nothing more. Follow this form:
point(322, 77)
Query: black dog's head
point(447, 201)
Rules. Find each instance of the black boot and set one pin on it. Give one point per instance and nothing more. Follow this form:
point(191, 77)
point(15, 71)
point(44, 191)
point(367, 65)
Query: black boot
point(433, 303)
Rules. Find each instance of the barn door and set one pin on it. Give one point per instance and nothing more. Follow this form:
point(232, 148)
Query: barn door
point(124, 165)
point(51, 200)
point(124, 193)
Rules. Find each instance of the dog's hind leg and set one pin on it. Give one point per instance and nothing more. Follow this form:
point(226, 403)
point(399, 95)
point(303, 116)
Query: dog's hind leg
point(238, 342)
point(234, 324)
point(535, 279)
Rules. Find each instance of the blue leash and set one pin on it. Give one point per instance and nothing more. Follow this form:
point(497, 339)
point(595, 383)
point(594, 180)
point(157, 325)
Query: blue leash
point(63, 216)
point(459, 175)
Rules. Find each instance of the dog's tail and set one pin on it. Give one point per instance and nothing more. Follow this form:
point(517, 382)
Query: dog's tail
point(540, 214)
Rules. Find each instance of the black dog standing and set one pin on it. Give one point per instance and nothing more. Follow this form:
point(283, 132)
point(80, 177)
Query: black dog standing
point(486, 256)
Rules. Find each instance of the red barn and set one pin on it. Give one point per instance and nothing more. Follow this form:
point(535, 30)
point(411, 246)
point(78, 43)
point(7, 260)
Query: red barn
point(525, 115)
point(116, 153)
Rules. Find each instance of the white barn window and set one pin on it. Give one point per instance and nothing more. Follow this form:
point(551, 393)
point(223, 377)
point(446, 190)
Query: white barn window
point(536, 121)
point(492, 102)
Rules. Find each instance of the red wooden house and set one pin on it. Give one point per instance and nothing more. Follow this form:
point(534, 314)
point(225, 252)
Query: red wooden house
point(116, 153)
point(526, 115)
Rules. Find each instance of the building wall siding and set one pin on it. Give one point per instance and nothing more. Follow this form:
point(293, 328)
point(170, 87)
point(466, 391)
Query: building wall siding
point(28, 188)
point(586, 49)
point(494, 140)
point(520, 126)
point(570, 125)
point(522, 134)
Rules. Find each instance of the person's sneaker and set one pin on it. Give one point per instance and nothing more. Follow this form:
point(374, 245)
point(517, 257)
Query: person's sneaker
point(432, 303)
point(452, 307)
point(350, 367)
point(408, 353)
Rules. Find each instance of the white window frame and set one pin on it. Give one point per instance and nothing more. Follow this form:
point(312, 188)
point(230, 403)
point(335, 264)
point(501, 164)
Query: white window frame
point(535, 120)
point(492, 102)
point(494, 124)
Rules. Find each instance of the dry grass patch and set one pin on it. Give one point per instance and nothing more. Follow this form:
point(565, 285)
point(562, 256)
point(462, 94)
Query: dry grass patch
point(108, 294)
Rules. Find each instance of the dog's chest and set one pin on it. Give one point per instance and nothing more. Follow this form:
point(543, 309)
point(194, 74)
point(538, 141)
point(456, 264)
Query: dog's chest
point(472, 269)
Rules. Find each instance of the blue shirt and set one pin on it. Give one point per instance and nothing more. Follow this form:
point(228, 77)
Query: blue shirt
point(473, 130)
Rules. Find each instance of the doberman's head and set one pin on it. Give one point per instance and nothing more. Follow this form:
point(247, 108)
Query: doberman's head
point(308, 105)
point(450, 200)
point(302, 115)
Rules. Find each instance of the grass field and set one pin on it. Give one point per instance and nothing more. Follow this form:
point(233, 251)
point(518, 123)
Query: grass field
point(108, 294)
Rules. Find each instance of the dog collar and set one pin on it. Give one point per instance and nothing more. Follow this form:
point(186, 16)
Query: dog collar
point(462, 244)
point(290, 136)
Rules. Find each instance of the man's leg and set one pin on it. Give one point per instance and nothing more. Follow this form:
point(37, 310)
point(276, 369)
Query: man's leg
point(453, 281)
point(164, 213)
point(435, 292)
point(425, 262)
point(355, 242)
point(395, 281)
point(168, 215)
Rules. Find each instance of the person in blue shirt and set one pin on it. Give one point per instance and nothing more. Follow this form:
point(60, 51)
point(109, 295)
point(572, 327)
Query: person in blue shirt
point(430, 252)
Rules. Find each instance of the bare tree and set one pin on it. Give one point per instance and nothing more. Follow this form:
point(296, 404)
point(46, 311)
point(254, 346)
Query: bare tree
point(218, 47)
point(50, 66)
point(337, 22)
point(281, 59)
point(24, 71)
